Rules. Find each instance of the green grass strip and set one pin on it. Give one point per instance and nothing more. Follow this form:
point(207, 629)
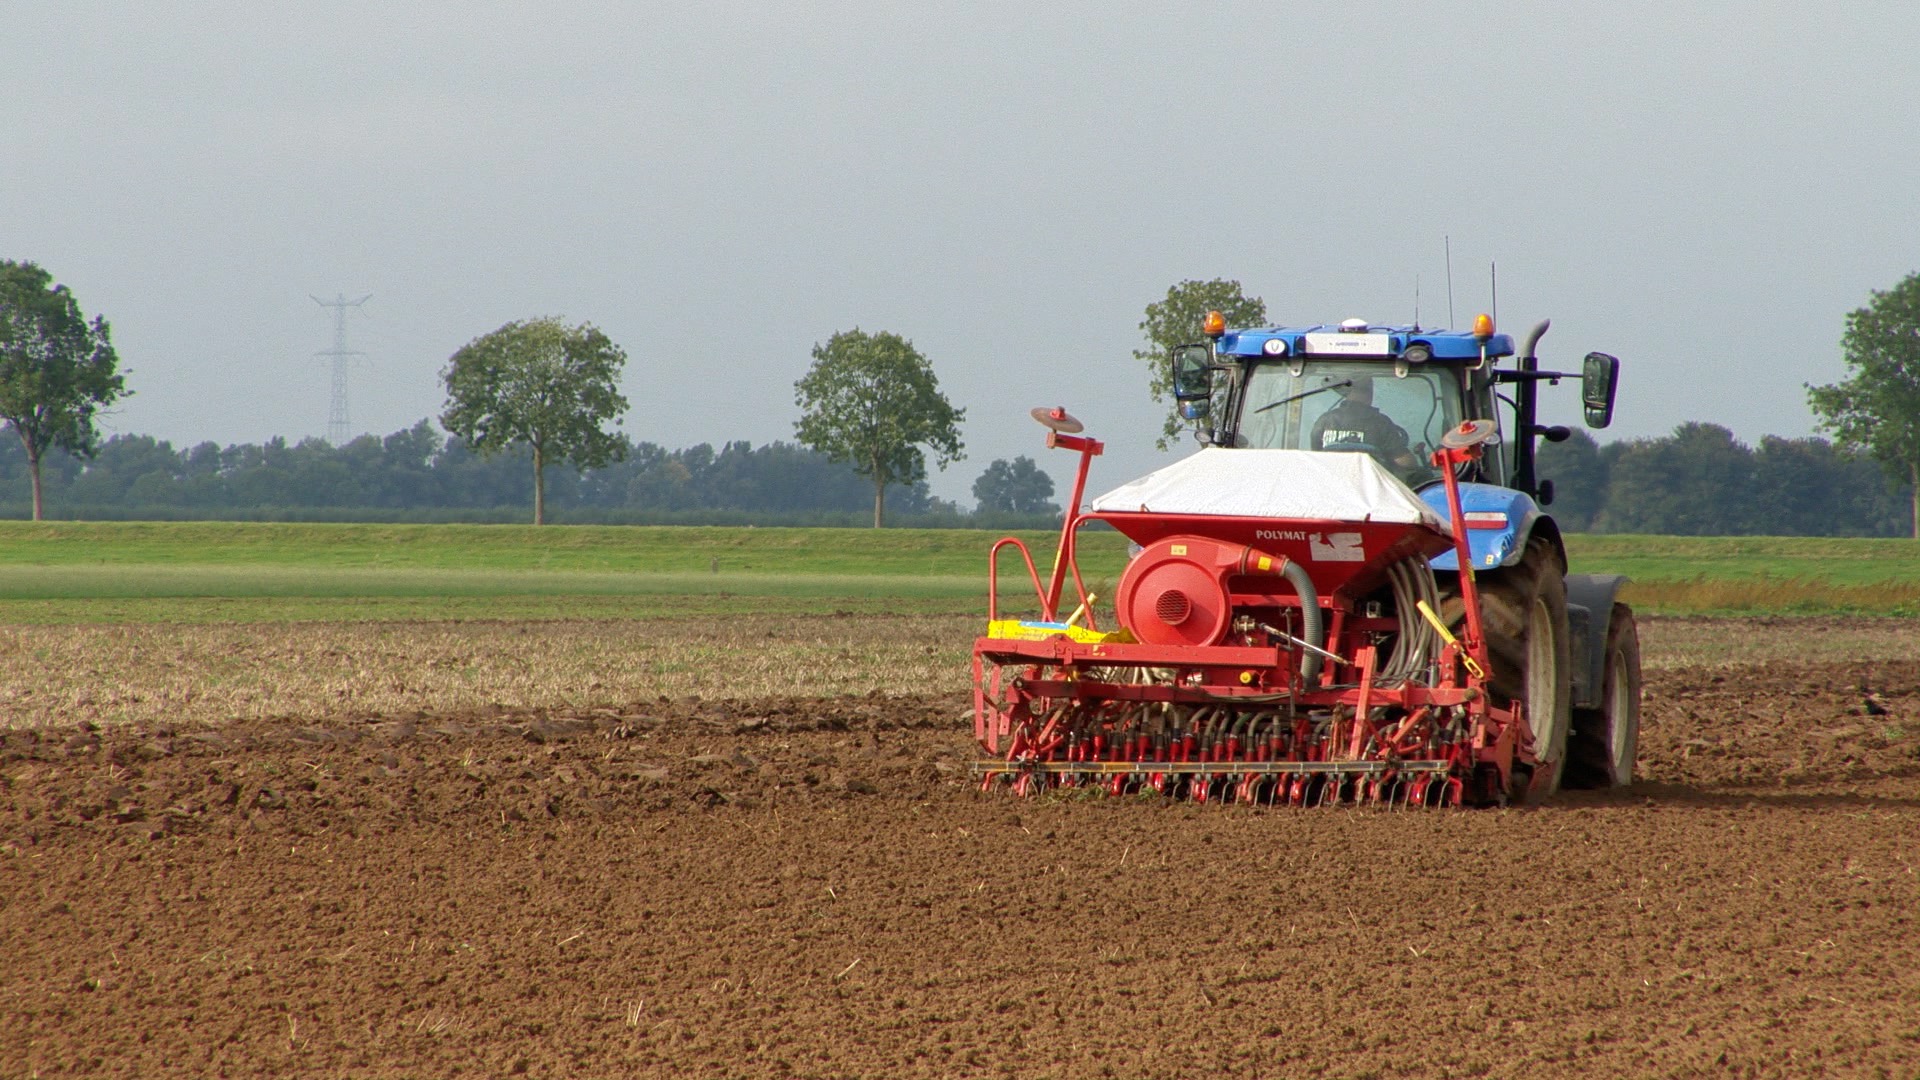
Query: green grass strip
point(250, 571)
point(660, 549)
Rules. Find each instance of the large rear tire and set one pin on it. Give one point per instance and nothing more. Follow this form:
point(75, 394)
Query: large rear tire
point(1605, 741)
point(1523, 610)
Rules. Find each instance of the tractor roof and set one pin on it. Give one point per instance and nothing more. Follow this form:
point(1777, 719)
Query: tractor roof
point(1354, 339)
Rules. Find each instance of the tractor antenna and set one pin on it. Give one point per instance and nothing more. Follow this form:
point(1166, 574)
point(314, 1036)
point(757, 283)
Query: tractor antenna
point(1416, 301)
point(339, 430)
point(1493, 280)
point(1449, 243)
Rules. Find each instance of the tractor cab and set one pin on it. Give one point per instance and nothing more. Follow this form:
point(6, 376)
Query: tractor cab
point(1353, 406)
point(1389, 392)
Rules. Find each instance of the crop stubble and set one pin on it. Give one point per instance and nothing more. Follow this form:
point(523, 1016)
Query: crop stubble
point(183, 674)
point(779, 886)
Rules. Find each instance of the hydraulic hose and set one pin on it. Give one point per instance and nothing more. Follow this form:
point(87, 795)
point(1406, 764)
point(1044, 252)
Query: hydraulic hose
point(1412, 581)
point(1313, 630)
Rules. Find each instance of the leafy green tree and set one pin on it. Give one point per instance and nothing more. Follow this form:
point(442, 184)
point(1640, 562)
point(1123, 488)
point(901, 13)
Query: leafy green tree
point(872, 401)
point(541, 383)
point(399, 469)
point(1696, 482)
point(202, 484)
point(1809, 487)
point(1877, 408)
point(475, 481)
point(1175, 320)
point(321, 477)
point(1018, 487)
point(119, 465)
point(57, 370)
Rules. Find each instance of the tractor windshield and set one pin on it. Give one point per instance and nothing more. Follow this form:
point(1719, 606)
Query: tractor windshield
point(1354, 407)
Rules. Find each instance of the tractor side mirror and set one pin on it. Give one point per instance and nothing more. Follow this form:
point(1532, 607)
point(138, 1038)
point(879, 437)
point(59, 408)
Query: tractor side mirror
point(1192, 379)
point(1599, 378)
point(1192, 373)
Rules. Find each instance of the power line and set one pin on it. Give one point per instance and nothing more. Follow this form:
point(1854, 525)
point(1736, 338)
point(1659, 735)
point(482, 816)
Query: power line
point(339, 428)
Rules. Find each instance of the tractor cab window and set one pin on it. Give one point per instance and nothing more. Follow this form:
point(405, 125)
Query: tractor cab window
point(1345, 406)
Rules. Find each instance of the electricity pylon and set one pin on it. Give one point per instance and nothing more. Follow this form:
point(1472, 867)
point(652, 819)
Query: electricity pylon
point(339, 428)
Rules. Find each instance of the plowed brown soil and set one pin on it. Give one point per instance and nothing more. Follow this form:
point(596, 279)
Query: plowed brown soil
point(812, 888)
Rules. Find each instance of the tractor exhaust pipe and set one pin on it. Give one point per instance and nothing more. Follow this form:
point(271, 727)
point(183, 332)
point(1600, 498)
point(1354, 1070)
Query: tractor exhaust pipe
point(1527, 355)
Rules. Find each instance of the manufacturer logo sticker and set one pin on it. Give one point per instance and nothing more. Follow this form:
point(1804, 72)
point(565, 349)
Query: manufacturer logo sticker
point(1336, 547)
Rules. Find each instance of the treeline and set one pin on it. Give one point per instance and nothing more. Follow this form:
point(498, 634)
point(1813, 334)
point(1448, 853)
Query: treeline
point(421, 475)
point(1698, 481)
point(1702, 481)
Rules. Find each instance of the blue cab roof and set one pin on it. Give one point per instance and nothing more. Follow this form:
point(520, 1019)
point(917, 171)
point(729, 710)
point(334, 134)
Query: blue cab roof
point(1374, 342)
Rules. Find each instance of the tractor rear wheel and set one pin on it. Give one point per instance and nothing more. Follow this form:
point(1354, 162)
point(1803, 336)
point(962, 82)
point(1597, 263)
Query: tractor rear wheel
point(1605, 740)
point(1523, 610)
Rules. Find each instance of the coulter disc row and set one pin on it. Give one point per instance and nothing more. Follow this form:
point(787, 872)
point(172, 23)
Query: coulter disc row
point(1270, 755)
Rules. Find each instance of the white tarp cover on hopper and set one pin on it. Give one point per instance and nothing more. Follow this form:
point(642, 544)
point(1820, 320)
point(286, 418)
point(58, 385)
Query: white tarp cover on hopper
point(1304, 484)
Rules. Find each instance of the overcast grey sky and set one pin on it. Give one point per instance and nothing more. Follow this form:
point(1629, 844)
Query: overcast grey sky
point(1702, 189)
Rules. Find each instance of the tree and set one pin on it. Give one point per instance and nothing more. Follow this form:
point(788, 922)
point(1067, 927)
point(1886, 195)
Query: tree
point(1809, 487)
point(1579, 476)
point(1696, 482)
point(541, 383)
point(872, 401)
point(1176, 321)
point(1017, 487)
point(1877, 409)
point(57, 370)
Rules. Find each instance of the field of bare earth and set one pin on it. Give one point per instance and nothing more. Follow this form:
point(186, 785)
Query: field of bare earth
point(753, 848)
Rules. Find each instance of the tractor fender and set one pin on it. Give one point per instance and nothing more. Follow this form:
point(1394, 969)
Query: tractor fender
point(1590, 600)
point(1506, 521)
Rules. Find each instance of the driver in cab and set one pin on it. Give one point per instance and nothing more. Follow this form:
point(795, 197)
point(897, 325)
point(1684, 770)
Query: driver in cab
point(1354, 424)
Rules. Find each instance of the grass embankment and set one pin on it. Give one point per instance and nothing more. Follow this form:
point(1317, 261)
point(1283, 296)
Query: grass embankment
point(247, 572)
point(1758, 575)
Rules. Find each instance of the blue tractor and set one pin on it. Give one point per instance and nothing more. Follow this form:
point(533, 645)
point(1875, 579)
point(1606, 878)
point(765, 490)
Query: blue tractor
point(1562, 644)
